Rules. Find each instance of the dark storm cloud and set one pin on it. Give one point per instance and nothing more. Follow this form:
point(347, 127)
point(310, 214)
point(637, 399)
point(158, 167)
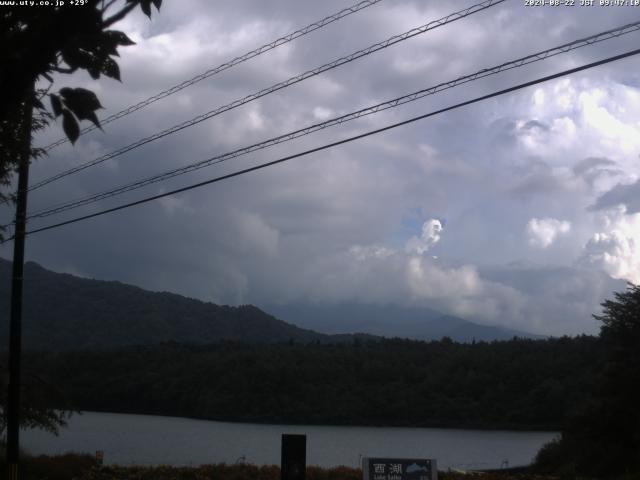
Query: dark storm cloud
point(627, 195)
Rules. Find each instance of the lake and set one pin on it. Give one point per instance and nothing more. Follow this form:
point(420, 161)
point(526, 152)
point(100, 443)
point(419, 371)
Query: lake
point(152, 440)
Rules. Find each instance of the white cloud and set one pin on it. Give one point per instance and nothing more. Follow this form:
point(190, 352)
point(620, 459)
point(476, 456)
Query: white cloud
point(322, 113)
point(590, 117)
point(255, 119)
point(543, 232)
point(616, 250)
point(601, 110)
point(428, 238)
point(538, 97)
point(461, 290)
point(426, 279)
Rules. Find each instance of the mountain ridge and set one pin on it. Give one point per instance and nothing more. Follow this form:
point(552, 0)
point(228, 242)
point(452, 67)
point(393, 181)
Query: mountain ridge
point(63, 311)
point(418, 323)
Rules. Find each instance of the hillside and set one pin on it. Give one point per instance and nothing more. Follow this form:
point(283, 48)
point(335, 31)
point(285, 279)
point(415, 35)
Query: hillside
point(63, 312)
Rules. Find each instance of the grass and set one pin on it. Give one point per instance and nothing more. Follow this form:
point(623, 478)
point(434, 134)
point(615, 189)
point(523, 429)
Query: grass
point(84, 467)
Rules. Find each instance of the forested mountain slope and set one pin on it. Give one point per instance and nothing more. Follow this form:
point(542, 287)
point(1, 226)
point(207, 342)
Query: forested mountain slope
point(62, 311)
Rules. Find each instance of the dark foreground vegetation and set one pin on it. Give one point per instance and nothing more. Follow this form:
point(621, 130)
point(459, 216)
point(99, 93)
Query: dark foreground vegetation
point(523, 384)
point(602, 436)
point(589, 387)
point(84, 467)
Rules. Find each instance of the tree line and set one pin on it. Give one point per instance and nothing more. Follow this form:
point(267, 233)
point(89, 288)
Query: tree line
point(522, 384)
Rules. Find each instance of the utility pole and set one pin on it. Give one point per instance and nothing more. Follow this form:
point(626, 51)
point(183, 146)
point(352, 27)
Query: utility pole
point(15, 324)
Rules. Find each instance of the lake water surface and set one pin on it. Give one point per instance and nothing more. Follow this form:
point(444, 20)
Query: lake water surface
point(151, 440)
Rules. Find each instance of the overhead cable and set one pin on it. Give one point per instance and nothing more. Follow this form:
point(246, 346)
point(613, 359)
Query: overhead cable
point(225, 66)
point(613, 33)
point(340, 142)
point(452, 17)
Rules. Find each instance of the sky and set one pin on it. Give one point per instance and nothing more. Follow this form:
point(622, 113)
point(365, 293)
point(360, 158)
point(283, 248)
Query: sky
point(521, 211)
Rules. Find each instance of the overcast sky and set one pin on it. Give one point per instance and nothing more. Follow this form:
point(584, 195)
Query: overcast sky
point(522, 211)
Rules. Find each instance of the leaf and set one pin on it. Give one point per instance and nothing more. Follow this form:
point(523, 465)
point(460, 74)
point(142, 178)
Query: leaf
point(83, 103)
point(94, 119)
point(85, 57)
point(66, 92)
point(119, 37)
point(94, 72)
point(157, 3)
point(110, 68)
point(70, 126)
point(56, 105)
point(38, 104)
point(80, 100)
point(145, 5)
point(75, 58)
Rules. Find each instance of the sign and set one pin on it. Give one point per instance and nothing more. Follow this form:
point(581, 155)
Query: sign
point(293, 461)
point(399, 469)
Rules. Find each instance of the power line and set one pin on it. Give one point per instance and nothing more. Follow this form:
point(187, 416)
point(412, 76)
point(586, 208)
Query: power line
point(452, 17)
point(225, 66)
point(613, 33)
point(340, 142)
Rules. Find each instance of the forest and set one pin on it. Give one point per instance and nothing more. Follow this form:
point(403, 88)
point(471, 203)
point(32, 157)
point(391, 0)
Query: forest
point(518, 384)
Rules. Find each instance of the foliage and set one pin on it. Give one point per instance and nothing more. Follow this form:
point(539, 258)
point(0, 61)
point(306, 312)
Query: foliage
point(84, 467)
point(553, 459)
point(516, 384)
point(36, 394)
point(62, 467)
point(37, 42)
point(205, 472)
point(603, 437)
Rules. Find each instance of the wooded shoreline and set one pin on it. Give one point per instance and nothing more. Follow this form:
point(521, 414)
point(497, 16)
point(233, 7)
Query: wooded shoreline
point(514, 385)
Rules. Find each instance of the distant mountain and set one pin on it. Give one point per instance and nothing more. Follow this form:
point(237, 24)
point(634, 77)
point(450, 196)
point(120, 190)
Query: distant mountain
point(63, 312)
point(390, 321)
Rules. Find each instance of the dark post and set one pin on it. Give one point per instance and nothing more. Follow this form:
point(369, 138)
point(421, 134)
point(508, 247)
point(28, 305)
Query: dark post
point(293, 462)
point(15, 324)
